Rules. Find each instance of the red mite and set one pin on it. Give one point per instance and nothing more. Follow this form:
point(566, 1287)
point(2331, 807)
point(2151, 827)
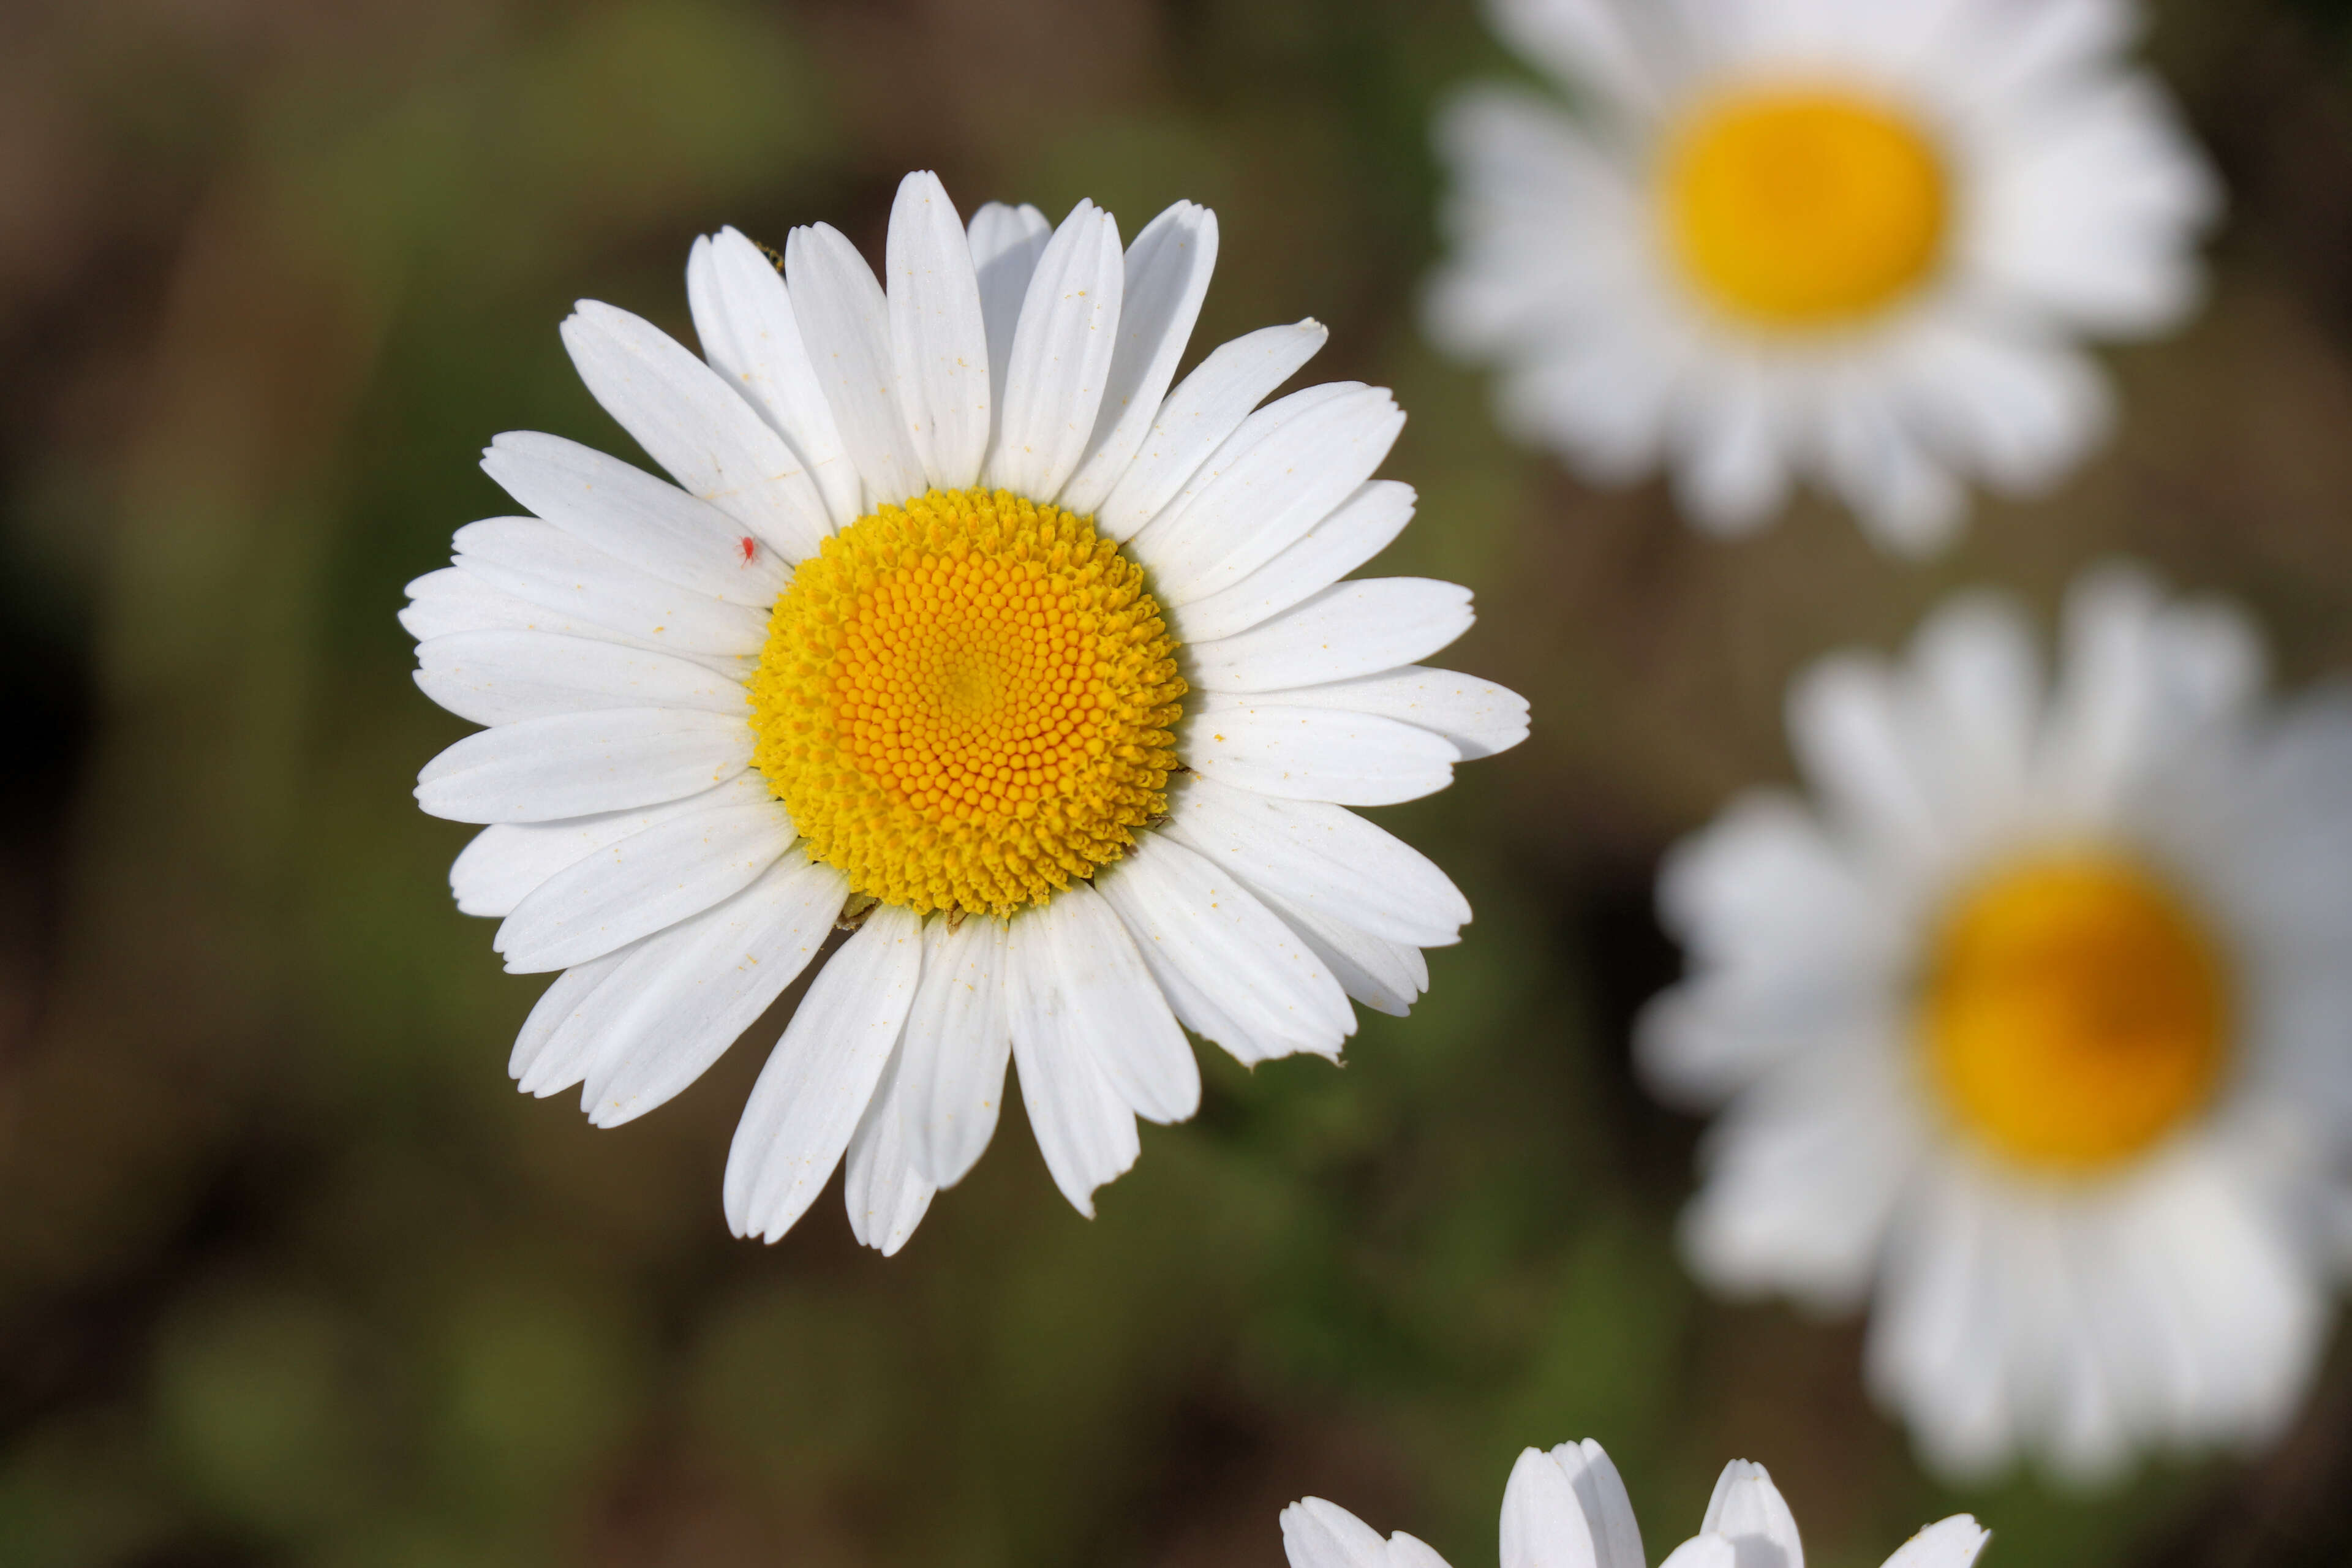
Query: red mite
point(749, 548)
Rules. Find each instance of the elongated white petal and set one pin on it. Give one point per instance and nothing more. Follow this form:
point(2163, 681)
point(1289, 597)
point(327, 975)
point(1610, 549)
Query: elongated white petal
point(751, 335)
point(1321, 857)
point(1747, 1509)
point(498, 678)
point(1951, 1542)
point(1091, 977)
point(635, 518)
point(576, 765)
point(1312, 754)
point(1061, 356)
point(453, 600)
point(694, 425)
point(1544, 1525)
point(542, 563)
point(1198, 415)
point(1287, 467)
point(844, 320)
point(686, 994)
point(502, 863)
point(1084, 1130)
point(959, 1043)
point(1168, 269)
point(1318, 1534)
point(1360, 528)
point(1234, 973)
point(1389, 976)
point(938, 342)
point(529, 1064)
point(886, 1195)
point(821, 1076)
point(643, 883)
point(1477, 716)
point(1348, 630)
point(1005, 244)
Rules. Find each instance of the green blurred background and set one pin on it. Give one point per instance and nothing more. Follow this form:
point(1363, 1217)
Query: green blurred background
point(289, 1273)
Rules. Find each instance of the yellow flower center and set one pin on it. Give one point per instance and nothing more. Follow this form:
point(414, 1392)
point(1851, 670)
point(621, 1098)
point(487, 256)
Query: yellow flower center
point(1803, 209)
point(2074, 1013)
point(966, 701)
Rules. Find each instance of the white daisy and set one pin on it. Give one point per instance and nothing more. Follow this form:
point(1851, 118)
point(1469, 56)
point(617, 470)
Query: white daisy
point(2037, 1027)
point(1567, 1508)
point(1850, 239)
point(957, 619)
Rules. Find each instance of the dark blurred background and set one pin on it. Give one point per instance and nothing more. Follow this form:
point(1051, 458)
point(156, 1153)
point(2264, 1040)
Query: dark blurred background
point(289, 1272)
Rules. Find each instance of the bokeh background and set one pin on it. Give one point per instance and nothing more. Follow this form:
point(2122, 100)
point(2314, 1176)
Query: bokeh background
point(289, 1272)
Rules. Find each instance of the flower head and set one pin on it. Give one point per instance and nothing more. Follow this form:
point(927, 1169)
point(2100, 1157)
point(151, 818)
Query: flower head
point(2029, 1028)
point(1792, 237)
point(959, 628)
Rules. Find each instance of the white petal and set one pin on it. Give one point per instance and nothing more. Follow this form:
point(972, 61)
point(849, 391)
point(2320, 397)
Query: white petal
point(630, 515)
point(1084, 1130)
point(1287, 467)
point(638, 886)
point(1412, 1552)
point(2020, 412)
point(821, 1077)
point(886, 1195)
point(1323, 859)
point(1086, 970)
point(1168, 269)
point(498, 678)
point(1749, 1510)
point(1005, 244)
point(1198, 415)
point(1608, 1511)
point(958, 1041)
point(938, 340)
point(1849, 726)
point(1234, 973)
point(1543, 1520)
point(687, 994)
point(1360, 528)
point(1061, 358)
point(1318, 1534)
point(498, 869)
point(846, 320)
point(453, 600)
point(1349, 629)
point(576, 765)
point(1704, 1552)
point(1388, 976)
point(544, 564)
point(527, 1063)
point(1312, 754)
point(1591, 45)
point(1479, 717)
point(1904, 498)
point(1732, 475)
point(1951, 1542)
point(751, 335)
point(693, 424)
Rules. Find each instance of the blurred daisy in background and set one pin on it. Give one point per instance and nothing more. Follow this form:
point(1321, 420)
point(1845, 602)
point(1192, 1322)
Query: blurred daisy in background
point(2034, 1026)
point(1852, 240)
point(1567, 1508)
point(961, 627)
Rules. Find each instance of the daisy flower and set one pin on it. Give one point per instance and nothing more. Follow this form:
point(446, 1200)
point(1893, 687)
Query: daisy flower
point(1567, 1508)
point(2035, 1026)
point(1849, 240)
point(960, 628)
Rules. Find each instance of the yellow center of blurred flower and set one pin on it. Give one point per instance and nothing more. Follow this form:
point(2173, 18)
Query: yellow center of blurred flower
point(2075, 1012)
point(966, 701)
point(1803, 209)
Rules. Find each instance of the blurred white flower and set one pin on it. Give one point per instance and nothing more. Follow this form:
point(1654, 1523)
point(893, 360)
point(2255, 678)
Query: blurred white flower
point(2035, 1026)
point(1567, 1508)
point(1848, 239)
point(888, 645)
